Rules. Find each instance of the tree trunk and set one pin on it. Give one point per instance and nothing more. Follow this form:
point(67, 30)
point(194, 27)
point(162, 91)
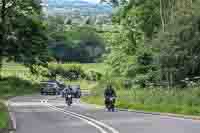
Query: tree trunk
point(161, 16)
point(3, 34)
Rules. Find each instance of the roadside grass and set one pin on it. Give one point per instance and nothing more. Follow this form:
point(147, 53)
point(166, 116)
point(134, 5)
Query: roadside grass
point(179, 101)
point(98, 67)
point(17, 80)
point(13, 86)
point(3, 116)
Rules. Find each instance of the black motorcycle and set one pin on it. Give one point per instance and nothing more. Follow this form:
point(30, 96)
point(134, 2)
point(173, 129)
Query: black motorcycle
point(68, 99)
point(110, 103)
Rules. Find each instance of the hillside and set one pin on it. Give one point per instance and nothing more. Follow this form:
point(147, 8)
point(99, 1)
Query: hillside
point(78, 8)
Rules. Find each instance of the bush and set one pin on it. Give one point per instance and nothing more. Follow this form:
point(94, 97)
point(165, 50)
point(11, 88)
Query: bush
point(178, 49)
point(93, 75)
point(3, 116)
point(141, 80)
point(68, 71)
point(40, 70)
point(13, 86)
point(181, 101)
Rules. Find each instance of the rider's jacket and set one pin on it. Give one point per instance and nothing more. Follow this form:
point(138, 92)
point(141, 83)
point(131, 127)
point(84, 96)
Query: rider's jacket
point(69, 91)
point(109, 92)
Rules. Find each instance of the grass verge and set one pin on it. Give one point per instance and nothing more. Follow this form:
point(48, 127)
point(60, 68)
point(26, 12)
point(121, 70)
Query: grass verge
point(4, 117)
point(185, 101)
point(13, 86)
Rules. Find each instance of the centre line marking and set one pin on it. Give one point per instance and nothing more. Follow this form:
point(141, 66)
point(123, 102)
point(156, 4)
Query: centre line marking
point(85, 120)
point(95, 123)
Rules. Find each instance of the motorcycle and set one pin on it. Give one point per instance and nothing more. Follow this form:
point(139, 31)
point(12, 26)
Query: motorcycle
point(110, 104)
point(69, 99)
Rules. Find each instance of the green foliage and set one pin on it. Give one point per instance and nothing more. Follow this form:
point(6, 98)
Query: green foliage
point(18, 80)
point(23, 36)
point(13, 86)
point(157, 54)
point(21, 72)
point(152, 99)
point(3, 116)
point(76, 45)
point(140, 21)
point(39, 70)
point(68, 71)
point(178, 48)
point(141, 80)
point(93, 76)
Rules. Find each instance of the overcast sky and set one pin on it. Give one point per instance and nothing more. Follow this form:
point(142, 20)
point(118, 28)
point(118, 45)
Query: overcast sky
point(93, 1)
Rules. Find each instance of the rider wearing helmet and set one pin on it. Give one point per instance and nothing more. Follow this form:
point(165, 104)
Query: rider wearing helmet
point(109, 92)
point(69, 91)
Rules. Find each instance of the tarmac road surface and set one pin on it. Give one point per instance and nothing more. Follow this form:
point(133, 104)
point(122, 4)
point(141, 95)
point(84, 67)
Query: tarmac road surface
point(49, 114)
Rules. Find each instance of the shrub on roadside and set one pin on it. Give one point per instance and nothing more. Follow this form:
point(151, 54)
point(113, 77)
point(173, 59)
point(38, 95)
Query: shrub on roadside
point(3, 116)
point(40, 70)
point(171, 100)
point(93, 76)
point(68, 71)
point(13, 86)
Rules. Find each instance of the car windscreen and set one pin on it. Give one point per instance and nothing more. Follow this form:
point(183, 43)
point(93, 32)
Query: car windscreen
point(48, 85)
point(51, 85)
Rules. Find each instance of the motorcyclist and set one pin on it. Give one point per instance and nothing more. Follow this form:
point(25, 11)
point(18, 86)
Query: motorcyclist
point(69, 91)
point(109, 92)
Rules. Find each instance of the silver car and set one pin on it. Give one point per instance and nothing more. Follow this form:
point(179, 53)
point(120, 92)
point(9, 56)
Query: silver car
point(49, 88)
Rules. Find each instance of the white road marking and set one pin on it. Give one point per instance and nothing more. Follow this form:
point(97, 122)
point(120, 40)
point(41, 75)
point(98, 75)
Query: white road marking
point(26, 104)
point(91, 120)
point(44, 101)
point(85, 120)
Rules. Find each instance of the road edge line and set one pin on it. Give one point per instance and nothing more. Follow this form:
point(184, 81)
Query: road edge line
point(12, 119)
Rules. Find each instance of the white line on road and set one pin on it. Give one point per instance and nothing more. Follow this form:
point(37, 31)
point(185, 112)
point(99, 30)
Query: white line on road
point(87, 119)
point(44, 101)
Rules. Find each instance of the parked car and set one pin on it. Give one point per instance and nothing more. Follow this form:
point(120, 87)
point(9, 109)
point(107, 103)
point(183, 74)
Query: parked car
point(63, 92)
point(76, 91)
point(49, 88)
point(61, 86)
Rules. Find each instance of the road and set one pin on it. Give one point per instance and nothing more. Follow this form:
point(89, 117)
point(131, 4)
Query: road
point(34, 114)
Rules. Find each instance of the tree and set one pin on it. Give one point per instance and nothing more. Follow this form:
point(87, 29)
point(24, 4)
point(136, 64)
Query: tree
point(139, 21)
point(81, 44)
point(113, 3)
point(87, 21)
point(68, 21)
point(22, 34)
point(178, 47)
point(170, 8)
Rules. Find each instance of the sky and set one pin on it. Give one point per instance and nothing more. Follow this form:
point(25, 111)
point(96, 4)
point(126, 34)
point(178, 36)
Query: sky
point(92, 1)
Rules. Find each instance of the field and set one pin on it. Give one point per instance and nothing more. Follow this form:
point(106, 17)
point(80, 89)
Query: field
point(98, 67)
